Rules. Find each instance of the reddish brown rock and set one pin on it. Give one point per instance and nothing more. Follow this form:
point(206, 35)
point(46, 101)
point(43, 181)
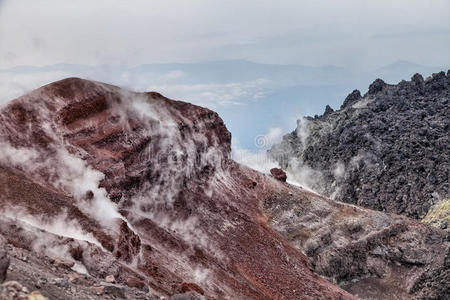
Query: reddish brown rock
point(64, 263)
point(278, 174)
point(191, 287)
point(128, 244)
point(135, 282)
point(73, 277)
point(76, 252)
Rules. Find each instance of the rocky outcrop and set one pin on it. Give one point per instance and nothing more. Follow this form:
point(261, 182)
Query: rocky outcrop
point(368, 253)
point(387, 150)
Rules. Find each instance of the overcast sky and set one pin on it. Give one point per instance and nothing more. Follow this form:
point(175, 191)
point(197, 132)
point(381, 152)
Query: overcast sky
point(355, 34)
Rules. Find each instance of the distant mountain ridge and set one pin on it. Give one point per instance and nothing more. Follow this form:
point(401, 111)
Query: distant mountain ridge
point(250, 97)
point(232, 70)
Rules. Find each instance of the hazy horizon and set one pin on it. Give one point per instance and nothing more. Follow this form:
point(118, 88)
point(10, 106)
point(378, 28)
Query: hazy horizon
point(350, 33)
point(394, 62)
point(260, 64)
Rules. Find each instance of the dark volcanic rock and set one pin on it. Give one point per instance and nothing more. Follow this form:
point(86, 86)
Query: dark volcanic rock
point(376, 86)
point(328, 110)
point(351, 99)
point(4, 259)
point(388, 150)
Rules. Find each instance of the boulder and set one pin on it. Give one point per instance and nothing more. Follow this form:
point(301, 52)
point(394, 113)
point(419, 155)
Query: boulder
point(278, 174)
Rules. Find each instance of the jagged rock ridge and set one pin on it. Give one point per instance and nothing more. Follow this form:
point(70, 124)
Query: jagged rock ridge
point(387, 150)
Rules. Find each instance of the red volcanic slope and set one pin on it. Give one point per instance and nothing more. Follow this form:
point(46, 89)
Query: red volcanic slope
point(148, 182)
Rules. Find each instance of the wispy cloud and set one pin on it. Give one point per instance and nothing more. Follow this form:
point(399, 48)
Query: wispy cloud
point(170, 84)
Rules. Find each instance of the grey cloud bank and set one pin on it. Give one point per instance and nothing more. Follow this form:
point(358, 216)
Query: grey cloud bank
point(350, 33)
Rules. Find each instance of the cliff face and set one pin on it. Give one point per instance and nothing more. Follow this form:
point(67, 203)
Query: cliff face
point(387, 150)
point(97, 182)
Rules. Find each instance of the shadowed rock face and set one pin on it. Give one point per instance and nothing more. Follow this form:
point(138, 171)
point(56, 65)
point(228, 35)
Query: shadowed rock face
point(4, 259)
point(140, 187)
point(387, 150)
